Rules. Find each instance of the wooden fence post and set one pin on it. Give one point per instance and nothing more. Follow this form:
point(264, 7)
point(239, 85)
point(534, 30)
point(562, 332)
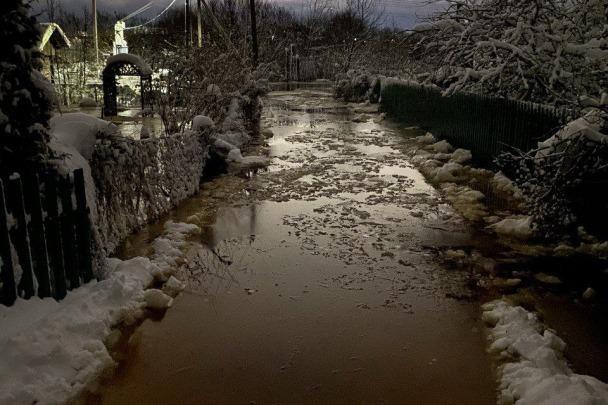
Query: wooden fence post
point(33, 206)
point(83, 226)
point(70, 256)
point(8, 293)
point(53, 234)
point(20, 237)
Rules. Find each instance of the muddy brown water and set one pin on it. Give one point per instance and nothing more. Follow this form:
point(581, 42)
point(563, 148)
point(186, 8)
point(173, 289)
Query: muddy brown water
point(314, 282)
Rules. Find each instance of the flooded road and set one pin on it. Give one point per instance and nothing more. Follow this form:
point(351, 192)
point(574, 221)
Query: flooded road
point(314, 282)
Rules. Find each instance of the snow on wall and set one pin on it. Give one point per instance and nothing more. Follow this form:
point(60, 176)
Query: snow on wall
point(138, 181)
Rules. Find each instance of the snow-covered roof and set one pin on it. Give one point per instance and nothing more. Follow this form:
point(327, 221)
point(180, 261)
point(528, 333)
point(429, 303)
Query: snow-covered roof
point(137, 61)
point(53, 32)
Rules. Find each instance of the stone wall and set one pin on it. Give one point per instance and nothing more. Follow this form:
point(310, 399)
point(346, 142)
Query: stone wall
point(137, 181)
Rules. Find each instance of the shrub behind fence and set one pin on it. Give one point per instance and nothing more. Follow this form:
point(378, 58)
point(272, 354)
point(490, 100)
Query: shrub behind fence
point(485, 125)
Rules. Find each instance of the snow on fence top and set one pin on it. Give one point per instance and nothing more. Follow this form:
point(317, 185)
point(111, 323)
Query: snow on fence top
point(137, 61)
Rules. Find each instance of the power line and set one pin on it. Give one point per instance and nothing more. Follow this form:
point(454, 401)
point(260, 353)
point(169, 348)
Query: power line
point(152, 19)
point(140, 10)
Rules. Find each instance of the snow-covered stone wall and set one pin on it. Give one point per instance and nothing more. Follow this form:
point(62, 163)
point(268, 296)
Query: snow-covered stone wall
point(138, 181)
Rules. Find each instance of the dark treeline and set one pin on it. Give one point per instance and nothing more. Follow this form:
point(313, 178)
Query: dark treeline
point(343, 34)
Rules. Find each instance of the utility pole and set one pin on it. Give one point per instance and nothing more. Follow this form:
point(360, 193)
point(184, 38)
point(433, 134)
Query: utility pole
point(189, 31)
point(254, 33)
point(94, 9)
point(199, 23)
point(186, 21)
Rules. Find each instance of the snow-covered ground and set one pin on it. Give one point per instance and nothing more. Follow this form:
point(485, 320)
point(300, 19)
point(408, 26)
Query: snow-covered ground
point(51, 350)
point(533, 369)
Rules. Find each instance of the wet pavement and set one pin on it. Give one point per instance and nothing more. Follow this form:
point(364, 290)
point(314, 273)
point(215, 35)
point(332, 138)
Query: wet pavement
point(316, 281)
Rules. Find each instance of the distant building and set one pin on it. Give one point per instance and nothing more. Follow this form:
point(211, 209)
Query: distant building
point(52, 43)
point(69, 64)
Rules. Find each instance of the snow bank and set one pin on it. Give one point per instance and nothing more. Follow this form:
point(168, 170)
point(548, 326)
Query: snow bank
point(80, 131)
point(442, 147)
point(468, 202)
point(426, 138)
point(533, 370)
point(73, 139)
point(87, 102)
point(504, 184)
point(52, 350)
point(461, 156)
point(449, 172)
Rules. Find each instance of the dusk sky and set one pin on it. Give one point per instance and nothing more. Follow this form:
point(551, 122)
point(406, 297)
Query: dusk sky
point(400, 13)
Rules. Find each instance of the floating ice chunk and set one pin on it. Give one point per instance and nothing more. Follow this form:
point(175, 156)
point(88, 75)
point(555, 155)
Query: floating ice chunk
point(547, 279)
point(427, 138)
point(461, 156)
point(173, 286)
point(514, 227)
point(156, 299)
point(442, 147)
point(448, 173)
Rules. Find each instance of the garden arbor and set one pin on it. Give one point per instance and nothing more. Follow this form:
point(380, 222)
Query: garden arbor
point(125, 64)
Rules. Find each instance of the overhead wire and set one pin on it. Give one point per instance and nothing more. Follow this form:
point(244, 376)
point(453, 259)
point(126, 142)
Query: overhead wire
point(152, 19)
point(140, 10)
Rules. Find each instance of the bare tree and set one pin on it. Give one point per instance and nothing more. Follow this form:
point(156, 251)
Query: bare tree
point(52, 9)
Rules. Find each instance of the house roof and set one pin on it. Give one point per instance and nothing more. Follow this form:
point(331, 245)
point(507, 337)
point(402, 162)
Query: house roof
point(53, 32)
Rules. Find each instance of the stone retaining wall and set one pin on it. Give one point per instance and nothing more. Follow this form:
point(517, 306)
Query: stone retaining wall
point(137, 181)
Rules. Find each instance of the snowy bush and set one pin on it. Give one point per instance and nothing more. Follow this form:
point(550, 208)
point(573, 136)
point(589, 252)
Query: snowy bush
point(199, 81)
point(354, 86)
point(25, 96)
point(564, 178)
point(543, 50)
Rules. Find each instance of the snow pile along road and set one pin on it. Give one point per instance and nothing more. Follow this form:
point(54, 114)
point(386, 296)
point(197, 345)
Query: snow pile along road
point(534, 370)
point(51, 350)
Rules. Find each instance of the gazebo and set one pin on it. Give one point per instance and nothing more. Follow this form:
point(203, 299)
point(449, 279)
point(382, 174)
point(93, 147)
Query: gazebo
point(126, 64)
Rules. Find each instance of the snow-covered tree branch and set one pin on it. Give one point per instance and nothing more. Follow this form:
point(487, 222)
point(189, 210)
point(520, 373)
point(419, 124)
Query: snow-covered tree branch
point(542, 50)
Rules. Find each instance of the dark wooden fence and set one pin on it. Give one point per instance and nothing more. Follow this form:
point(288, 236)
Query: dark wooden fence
point(45, 235)
point(485, 125)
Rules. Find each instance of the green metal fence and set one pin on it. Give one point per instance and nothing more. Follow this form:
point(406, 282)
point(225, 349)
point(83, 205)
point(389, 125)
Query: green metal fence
point(485, 125)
